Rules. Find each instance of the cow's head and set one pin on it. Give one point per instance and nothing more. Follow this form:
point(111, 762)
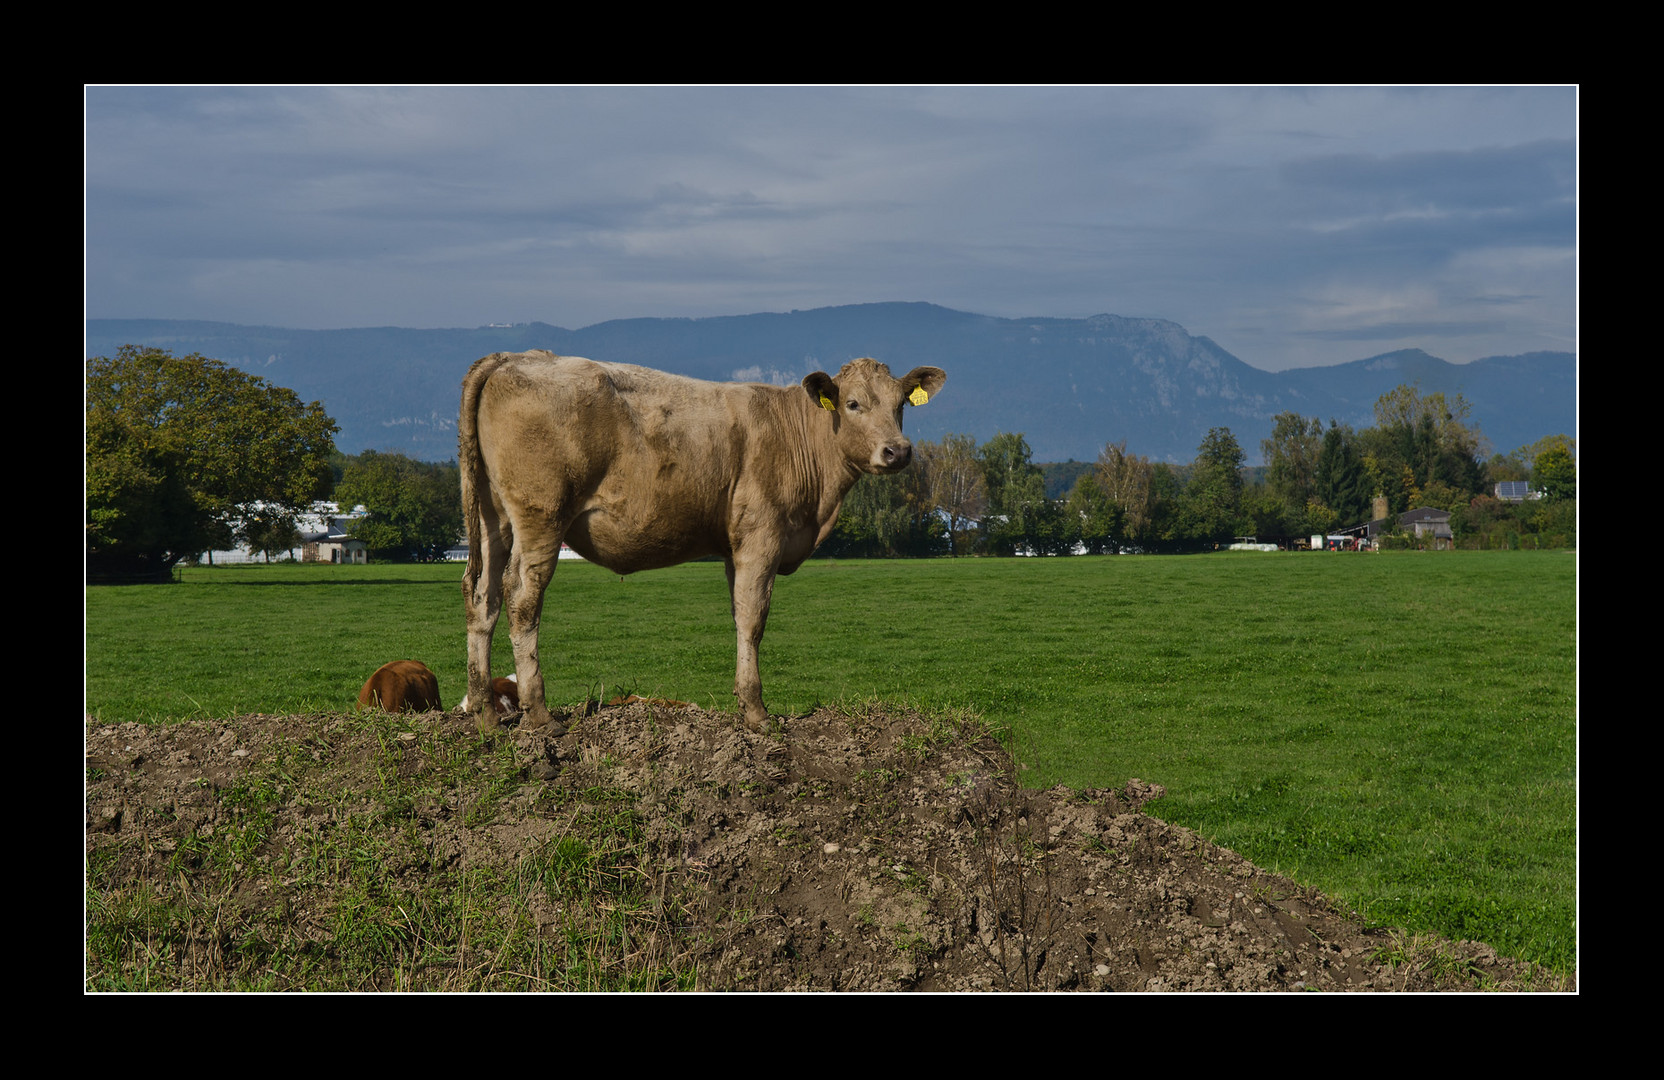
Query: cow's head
point(865, 401)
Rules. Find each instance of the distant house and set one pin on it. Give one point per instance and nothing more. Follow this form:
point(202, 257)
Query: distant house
point(1423, 522)
point(323, 538)
point(329, 538)
point(1513, 491)
point(1427, 523)
point(332, 548)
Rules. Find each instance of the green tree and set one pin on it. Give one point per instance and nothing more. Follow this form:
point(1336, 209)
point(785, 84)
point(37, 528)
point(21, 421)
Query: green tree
point(413, 509)
point(180, 448)
point(1501, 467)
point(956, 485)
point(1422, 439)
point(1017, 504)
point(1291, 455)
point(1555, 471)
point(1441, 496)
point(1102, 522)
point(1125, 479)
point(1554, 521)
point(1163, 530)
point(270, 530)
point(1211, 504)
point(1341, 488)
point(1008, 473)
point(1321, 519)
point(1270, 516)
point(1048, 528)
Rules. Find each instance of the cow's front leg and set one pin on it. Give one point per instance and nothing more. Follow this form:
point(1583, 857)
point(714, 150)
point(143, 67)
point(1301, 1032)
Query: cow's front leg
point(750, 588)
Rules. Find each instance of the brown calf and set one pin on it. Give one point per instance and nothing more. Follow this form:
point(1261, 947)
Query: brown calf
point(505, 695)
point(401, 686)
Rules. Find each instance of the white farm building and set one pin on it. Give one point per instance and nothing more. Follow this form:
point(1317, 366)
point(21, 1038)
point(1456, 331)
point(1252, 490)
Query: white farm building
point(323, 532)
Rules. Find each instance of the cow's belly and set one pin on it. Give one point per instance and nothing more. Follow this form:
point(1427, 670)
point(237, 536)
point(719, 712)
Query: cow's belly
point(626, 531)
point(630, 527)
point(623, 547)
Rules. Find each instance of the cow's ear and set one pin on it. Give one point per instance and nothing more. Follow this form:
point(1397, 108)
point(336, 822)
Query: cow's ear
point(823, 391)
point(923, 383)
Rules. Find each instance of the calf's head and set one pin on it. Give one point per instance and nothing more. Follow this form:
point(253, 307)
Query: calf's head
point(866, 402)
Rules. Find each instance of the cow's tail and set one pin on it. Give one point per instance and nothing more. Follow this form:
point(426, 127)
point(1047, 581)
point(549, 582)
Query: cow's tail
point(469, 462)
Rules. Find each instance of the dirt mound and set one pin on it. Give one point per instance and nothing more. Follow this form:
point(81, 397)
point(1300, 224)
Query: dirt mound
point(657, 847)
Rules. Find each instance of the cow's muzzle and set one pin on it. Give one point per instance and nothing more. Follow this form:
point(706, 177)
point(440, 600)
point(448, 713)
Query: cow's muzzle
point(893, 456)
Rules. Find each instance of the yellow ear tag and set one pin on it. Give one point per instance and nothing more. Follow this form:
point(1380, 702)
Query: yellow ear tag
point(918, 396)
point(826, 403)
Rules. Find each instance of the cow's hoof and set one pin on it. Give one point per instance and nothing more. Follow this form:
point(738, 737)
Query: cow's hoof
point(489, 725)
point(757, 724)
point(548, 726)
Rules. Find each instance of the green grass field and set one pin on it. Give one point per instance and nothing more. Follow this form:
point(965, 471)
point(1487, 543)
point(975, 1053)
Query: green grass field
point(1397, 730)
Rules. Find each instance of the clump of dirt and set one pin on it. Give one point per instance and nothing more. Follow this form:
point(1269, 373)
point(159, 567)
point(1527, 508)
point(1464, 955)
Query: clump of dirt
point(865, 849)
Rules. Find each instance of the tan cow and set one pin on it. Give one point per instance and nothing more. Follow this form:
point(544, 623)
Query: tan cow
point(401, 686)
point(637, 469)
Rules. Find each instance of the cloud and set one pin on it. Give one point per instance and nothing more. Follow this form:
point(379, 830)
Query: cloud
point(1227, 210)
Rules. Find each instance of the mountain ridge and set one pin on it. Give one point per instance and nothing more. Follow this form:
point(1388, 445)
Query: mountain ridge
point(1069, 385)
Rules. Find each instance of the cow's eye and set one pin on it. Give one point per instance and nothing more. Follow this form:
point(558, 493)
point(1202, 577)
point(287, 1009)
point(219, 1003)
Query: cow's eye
point(854, 406)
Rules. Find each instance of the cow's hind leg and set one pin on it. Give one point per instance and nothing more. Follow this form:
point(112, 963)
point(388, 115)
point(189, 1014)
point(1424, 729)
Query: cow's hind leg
point(751, 588)
point(529, 571)
point(482, 597)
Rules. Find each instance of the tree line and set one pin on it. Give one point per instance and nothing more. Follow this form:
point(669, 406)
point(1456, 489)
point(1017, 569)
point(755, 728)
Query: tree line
point(1423, 451)
point(187, 454)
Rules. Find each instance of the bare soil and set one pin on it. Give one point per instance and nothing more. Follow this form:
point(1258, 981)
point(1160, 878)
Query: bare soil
point(865, 850)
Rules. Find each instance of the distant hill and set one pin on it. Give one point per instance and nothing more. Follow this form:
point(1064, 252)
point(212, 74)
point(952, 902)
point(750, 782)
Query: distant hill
point(1069, 385)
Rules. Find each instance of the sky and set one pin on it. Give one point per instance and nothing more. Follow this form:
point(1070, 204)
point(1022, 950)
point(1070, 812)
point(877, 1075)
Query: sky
point(1293, 226)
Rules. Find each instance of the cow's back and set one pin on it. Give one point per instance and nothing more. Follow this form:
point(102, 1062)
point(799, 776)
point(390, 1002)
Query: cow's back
point(634, 468)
